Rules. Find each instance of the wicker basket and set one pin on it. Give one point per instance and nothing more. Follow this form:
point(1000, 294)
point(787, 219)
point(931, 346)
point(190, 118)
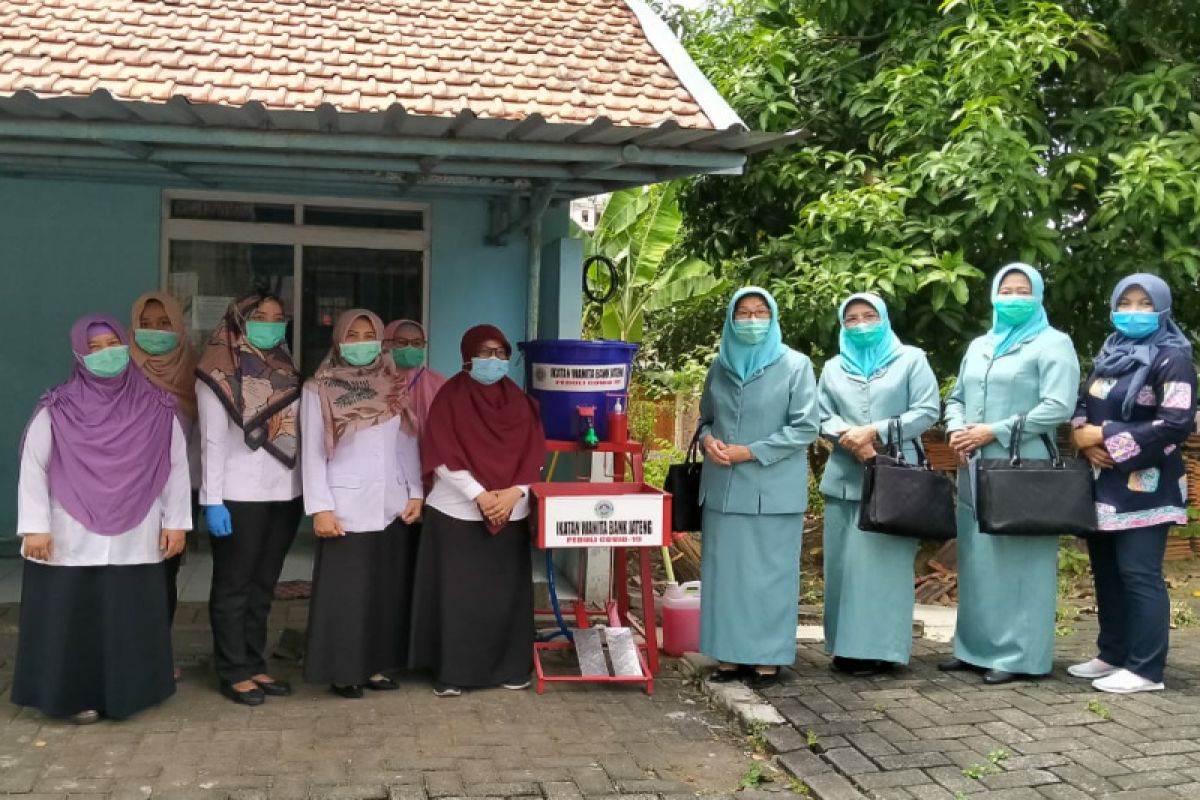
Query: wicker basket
point(1178, 549)
point(1192, 464)
point(941, 457)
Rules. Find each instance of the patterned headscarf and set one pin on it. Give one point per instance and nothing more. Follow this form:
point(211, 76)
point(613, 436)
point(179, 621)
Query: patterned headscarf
point(258, 389)
point(352, 398)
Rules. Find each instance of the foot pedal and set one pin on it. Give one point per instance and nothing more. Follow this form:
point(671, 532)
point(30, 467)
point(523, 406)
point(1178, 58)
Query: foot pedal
point(590, 649)
point(623, 653)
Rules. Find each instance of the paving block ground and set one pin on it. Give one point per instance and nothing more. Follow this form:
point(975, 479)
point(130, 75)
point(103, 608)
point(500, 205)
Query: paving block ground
point(572, 743)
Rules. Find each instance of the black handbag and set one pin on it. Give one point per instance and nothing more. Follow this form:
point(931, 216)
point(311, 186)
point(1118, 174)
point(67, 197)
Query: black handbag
point(1017, 496)
point(903, 499)
point(683, 482)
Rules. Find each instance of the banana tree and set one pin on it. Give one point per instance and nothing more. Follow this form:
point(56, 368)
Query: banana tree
point(637, 232)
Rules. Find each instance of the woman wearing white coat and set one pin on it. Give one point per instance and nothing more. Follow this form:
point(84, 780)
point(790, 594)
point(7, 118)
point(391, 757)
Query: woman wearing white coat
point(362, 484)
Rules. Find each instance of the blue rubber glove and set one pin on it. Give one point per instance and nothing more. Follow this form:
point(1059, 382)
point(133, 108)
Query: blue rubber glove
point(218, 520)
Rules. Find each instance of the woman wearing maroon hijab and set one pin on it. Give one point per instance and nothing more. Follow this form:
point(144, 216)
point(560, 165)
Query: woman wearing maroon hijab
point(103, 498)
point(473, 599)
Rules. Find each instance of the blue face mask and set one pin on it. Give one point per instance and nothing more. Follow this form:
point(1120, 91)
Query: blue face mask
point(1136, 324)
point(156, 342)
point(489, 370)
point(265, 335)
point(751, 331)
point(107, 363)
point(360, 354)
point(866, 334)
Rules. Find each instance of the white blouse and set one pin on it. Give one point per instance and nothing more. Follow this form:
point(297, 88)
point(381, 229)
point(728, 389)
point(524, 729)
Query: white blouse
point(454, 493)
point(373, 474)
point(73, 545)
point(230, 469)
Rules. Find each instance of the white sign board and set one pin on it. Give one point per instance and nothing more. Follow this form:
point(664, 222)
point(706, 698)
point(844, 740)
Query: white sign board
point(631, 520)
point(579, 377)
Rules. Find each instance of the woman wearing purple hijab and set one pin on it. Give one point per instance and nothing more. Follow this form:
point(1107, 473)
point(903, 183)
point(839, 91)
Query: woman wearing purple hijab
point(103, 498)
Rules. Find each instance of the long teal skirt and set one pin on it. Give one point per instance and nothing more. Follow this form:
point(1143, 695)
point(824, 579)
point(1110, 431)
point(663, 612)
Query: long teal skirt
point(868, 588)
point(1007, 592)
point(750, 587)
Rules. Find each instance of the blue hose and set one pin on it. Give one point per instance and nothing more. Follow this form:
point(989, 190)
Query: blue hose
point(563, 630)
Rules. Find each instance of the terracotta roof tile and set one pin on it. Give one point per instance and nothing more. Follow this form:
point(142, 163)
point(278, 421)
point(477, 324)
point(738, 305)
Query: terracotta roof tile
point(568, 60)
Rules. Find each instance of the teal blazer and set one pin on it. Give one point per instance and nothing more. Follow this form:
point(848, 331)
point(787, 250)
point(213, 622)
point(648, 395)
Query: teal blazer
point(905, 388)
point(1038, 380)
point(774, 413)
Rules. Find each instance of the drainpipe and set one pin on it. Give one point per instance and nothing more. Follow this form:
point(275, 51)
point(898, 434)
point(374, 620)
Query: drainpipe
point(538, 203)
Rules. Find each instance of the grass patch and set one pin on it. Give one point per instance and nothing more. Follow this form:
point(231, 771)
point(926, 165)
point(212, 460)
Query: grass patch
point(757, 736)
point(754, 777)
point(1099, 709)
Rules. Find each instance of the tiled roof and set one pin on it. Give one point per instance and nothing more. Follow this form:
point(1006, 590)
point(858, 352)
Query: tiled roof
point(571, 61)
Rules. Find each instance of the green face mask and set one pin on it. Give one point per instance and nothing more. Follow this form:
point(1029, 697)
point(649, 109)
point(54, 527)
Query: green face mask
point(107, 363)
point(751, 331)
point(360, 354)
point(1015, 309)
point(408, 357)
point(867, 334)
point(156, 342)
point(265, 335)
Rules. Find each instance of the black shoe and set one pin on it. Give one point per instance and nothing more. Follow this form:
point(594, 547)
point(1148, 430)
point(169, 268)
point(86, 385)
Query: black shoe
point(250, 697)
point(351, 692)
point(995, 677)
point(384, 684)
point(957, 665)
point(846, 665)
point(726, 675)
point(274, 688)
point(762, 680)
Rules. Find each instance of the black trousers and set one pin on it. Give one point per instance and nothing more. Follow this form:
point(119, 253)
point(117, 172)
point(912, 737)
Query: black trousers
point(1131, 599)
point(246, 567)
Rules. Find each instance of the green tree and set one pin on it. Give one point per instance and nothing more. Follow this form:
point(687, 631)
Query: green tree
point(942, 143)
point(638, 232)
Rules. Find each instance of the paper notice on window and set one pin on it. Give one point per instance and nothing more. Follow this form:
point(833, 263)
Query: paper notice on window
point(579, 377)
point(208, 311)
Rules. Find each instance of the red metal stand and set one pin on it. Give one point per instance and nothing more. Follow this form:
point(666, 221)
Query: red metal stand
point(616, 612)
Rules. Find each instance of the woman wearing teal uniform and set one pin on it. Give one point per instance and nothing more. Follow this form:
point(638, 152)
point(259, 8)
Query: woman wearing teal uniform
point(1022, 367)
point(758, 414)
point(868, 576)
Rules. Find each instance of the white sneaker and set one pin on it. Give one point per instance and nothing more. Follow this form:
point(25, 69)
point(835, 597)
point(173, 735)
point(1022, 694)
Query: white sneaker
point(1092, 669)
point(1125, 682)
point(517, 686)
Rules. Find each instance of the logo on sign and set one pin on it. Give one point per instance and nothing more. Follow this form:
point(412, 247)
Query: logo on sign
point(539, 374)
point(604, 509)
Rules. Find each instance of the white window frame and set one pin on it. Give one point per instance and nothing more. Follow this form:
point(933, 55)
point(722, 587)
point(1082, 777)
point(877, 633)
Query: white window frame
point(297, 235)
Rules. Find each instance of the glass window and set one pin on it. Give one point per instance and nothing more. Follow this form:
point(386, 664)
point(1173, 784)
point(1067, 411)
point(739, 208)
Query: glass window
point(376, 218)
point(234, 211)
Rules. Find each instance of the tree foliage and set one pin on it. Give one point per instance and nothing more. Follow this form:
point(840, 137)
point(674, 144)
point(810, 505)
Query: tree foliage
point(943, 142)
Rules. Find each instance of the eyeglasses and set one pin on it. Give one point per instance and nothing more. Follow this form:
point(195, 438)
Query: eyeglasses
point(415, 342)
point(492, 352)
point(760, 314)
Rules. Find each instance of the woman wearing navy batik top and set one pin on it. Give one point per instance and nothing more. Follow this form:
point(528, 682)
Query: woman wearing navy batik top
point(1134, 412)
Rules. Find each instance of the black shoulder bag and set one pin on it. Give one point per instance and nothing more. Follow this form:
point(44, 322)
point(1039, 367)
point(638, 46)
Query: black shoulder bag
point(903, 499)
point(683, 482)
point(1017, 496)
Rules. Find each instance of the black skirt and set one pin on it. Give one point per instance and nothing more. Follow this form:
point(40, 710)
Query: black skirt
point(358, 619)
point(473, 602)
point(93, 638)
